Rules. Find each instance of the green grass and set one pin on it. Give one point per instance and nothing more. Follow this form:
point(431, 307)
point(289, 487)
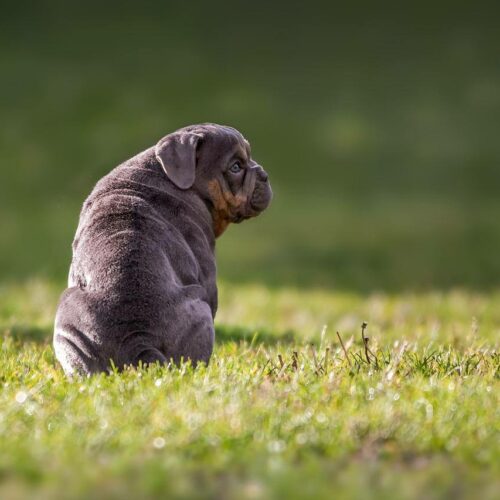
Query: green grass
point(279, 410)
point(379, 130)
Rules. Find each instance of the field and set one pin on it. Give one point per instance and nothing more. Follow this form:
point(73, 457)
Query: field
point(279, 412)
point(379, 130)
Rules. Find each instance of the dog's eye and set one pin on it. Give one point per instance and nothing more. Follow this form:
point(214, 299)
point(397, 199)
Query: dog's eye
point(235, 168)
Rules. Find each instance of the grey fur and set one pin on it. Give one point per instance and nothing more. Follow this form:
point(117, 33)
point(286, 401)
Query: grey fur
point(142, 282)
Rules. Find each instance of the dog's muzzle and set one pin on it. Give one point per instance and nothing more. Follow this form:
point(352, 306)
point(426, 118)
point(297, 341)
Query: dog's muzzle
point(258, 194)
point(262, 193)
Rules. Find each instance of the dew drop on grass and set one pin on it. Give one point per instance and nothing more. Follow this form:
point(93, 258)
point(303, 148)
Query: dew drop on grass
point(21, 397)
point(276, 446)
point(321, 418)
point(30, 409)
point(158, 443)
point(301, 438)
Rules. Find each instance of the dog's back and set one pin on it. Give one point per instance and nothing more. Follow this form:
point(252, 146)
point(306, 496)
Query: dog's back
point(133, 272)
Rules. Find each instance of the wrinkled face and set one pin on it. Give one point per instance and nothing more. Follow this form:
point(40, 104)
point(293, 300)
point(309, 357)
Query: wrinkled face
point(235, 186)
point(215, 162)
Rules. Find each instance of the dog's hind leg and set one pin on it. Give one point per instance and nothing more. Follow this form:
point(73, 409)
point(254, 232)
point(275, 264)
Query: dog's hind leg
point(72, 355)
point(74, 345)
point(150, 356)
point(194, 340)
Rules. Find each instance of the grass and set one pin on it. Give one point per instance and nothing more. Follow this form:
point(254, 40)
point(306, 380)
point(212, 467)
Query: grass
point(379, 131)
point(279, 410)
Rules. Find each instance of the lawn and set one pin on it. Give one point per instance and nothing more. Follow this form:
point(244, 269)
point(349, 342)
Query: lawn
point(279, 412)
point(379, 130)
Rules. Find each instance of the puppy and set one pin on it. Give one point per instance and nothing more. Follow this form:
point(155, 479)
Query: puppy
point(142, 282)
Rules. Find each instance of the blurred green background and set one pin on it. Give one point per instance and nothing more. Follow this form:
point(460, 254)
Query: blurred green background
point(378, 124)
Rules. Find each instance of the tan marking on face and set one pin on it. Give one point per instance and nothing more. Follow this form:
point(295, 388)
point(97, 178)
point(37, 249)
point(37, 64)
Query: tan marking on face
point(234, 200)
point(225, 204)
point(220, 210)
point(217, 196)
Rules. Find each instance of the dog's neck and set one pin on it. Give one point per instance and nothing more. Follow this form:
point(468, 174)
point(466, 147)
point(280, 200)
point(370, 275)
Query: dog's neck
point(184, 205)
point(199, 209)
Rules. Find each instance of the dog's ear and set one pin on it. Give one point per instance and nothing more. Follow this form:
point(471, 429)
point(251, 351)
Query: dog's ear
point(177, 155)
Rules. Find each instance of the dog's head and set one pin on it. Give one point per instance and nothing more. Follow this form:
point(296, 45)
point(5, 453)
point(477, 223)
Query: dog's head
point(215, 162)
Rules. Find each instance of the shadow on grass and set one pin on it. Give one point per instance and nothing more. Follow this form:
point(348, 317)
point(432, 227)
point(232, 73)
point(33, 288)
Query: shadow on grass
point(28, 333)
point(224, 334)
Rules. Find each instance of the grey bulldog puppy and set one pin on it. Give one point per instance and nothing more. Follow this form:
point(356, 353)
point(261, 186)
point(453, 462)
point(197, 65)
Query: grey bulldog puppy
point(142, 283)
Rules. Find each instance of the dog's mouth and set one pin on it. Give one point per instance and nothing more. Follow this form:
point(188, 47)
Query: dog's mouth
point(256, 204)
point(240, 218)
point(261, 198)
point(252, 211)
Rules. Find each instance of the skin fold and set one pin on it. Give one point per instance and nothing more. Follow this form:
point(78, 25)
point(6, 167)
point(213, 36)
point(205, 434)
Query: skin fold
point(142, 282)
